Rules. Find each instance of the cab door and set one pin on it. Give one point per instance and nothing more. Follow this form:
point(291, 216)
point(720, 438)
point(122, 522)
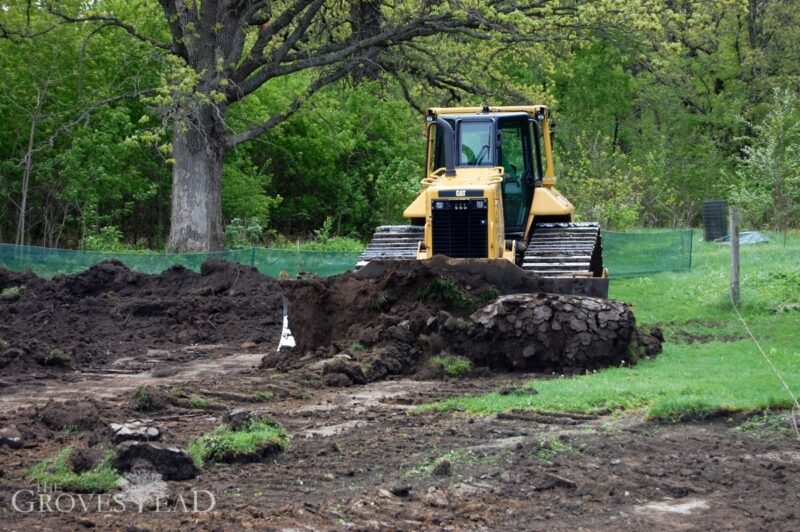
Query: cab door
point(514, 154)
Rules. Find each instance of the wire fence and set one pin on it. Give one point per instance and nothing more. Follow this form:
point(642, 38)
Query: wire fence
point(626, 255)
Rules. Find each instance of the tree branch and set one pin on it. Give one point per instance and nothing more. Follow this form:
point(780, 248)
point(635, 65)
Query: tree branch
point(322, 81)
point(112, 21)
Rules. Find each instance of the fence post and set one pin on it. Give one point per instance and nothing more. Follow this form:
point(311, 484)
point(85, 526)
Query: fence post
point(734, 233)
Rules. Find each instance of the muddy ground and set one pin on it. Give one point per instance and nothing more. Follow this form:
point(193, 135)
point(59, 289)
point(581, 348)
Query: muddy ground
point(362, 458)
point(362, 455)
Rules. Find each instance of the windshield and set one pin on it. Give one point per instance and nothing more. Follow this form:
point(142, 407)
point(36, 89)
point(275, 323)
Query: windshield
point(475, 143)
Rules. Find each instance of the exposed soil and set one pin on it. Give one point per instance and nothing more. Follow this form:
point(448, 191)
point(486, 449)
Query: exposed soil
point(361, 459)
point(369, 327)
point(91, 319)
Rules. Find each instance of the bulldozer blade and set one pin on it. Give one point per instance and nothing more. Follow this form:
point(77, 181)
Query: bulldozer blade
point(506, 276)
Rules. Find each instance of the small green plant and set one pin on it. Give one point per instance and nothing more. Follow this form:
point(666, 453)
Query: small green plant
point(764, 426)
point(69, 430)
point(262, 396)
point(142, 400)
point(179, 393)
point(254, 439)
point(357, 347)
point(11, 291)
point(550, 447)
point(446, 291)
point(57, 357)
point(464, 457)
point(57, 472)
point(198, 402)
point(454, 366)
point(488, 295)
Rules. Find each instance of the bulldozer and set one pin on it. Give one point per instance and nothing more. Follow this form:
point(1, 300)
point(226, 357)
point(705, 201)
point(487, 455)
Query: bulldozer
point(489, 195)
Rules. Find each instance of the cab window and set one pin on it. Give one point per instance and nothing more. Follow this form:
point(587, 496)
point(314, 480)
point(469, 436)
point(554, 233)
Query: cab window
point(475, 143)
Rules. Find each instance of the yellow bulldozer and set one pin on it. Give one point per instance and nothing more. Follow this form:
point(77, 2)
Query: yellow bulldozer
point(489, 193)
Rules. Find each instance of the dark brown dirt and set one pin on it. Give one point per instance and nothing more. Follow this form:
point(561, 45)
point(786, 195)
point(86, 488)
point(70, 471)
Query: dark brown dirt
point(90, 319)
point(379, 326)
point(360, 460)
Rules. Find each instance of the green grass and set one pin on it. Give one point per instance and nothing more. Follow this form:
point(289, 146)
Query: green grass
point(447, 292)
point(250, 440)
point(549, 447)
point(691, 379)
point(56, 472)
point(11, 291)
point(457, 457)
point(453, 366)
point(198, 402)
point(262, 396)
point(142, 400)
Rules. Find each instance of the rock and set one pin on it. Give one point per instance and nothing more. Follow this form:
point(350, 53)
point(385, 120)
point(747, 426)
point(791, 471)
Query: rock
point(337, 380)
point(172, 463)
point(443, 469)
point(350, 369)
point(135, 430)
point(11, 437)
point(322, 364)
point(400, 491)
point(559, 481)
point(437, 499)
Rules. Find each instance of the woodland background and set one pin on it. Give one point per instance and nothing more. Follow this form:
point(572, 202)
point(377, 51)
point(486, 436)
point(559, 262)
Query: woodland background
point(701, 102)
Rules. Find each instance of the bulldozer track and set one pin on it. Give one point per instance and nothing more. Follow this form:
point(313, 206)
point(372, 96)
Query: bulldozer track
point(393, 242)
point(565, 250)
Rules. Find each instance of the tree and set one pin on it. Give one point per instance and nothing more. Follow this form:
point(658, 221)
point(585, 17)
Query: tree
point(222, 51)
point(769, 169)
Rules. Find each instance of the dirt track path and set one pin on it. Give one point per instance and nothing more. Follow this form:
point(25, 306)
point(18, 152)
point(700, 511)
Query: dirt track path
point(119, 379)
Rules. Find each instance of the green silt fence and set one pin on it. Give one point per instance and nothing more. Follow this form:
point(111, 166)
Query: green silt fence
point(47, 262)
point(647, 253)
point(626, 255)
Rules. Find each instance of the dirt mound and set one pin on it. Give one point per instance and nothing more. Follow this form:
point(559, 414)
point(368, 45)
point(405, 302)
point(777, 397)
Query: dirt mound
point(357, 328)
point(106, 312)
point(350, 329)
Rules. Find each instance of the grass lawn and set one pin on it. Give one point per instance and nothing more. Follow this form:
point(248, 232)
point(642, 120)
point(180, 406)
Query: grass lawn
point(709, 363)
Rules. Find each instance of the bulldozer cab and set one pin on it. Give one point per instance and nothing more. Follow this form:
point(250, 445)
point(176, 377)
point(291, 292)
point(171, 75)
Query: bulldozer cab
point(510, 140)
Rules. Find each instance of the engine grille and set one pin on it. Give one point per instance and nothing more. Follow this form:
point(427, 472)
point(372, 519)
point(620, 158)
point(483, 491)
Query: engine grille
point(460, 228)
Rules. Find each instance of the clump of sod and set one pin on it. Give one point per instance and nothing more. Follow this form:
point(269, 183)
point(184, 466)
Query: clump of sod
point(57, 472)
point(454, 366)
point(253, 441)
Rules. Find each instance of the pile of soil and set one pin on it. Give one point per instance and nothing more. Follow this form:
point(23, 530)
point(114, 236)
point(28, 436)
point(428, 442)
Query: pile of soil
point(353, 328)
point(106, 312)
point(361, 327)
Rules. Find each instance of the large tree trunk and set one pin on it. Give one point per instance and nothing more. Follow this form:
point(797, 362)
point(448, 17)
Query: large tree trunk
point(198, 148)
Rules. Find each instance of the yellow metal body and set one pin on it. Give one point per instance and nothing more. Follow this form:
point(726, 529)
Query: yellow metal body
point(547, 201)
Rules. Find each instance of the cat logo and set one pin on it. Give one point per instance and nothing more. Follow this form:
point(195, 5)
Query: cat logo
point(461, 193)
